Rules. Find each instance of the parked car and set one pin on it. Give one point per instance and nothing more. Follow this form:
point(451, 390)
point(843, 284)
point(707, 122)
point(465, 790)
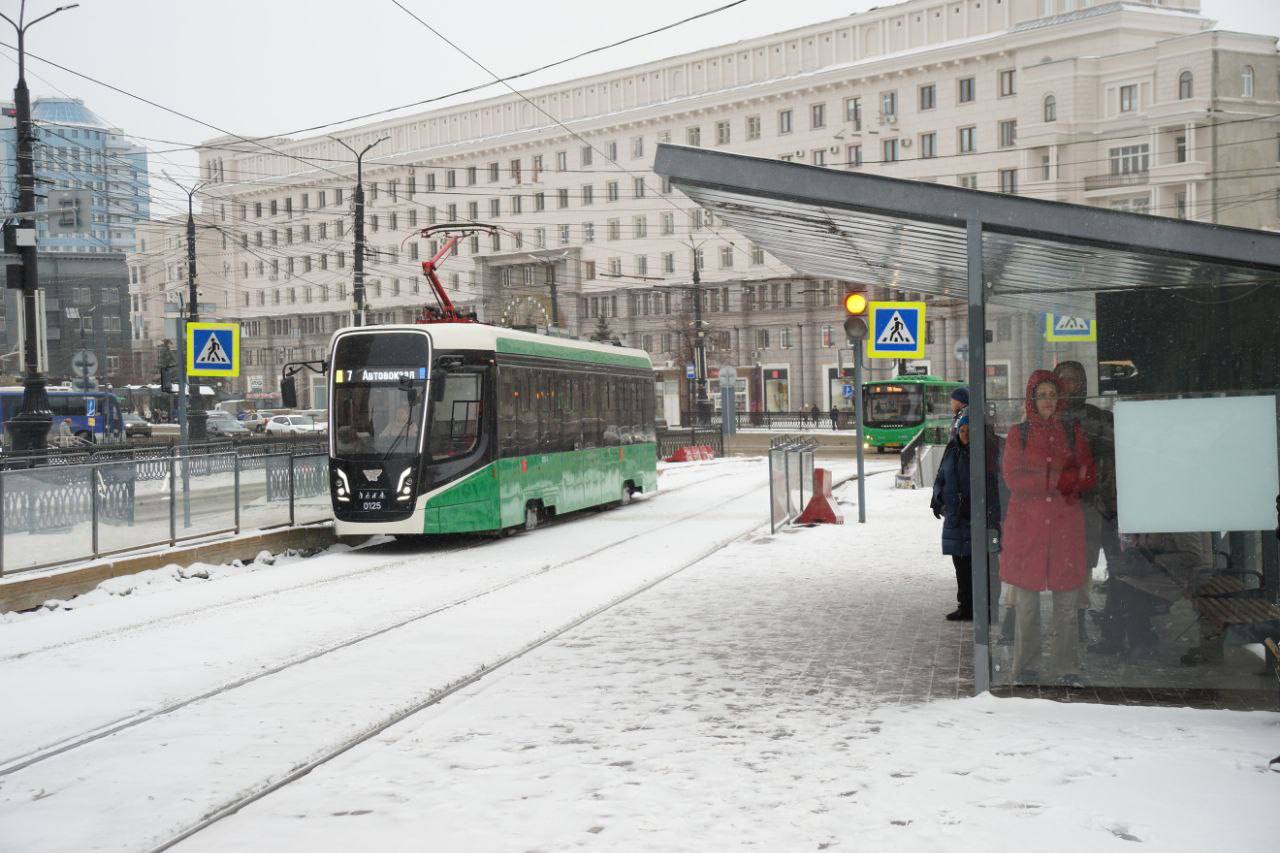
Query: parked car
point(222, 423)
point(136, 425)
point(320, 416)
point(257, 421)
point(293, 425)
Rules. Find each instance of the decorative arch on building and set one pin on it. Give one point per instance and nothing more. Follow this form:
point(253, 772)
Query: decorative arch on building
point(1246, 82)
point(525, 311)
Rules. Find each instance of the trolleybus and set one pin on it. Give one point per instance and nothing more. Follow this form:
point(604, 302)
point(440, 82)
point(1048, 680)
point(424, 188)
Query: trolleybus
point(896, 410)
point(451, 427)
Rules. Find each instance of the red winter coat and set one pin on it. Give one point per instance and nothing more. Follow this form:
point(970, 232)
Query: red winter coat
point(1043, 544)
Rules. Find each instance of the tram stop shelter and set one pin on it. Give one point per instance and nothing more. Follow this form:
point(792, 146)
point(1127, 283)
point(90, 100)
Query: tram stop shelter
point(1173, 325)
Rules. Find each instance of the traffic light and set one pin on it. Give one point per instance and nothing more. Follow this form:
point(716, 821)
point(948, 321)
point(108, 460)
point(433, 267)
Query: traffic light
point(855, 309)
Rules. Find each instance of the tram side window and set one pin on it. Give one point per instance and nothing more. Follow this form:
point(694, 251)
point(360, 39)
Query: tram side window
point(455, 419)
point(508, 412)
point(527, 414)
point(937, 401)
point(648, 404)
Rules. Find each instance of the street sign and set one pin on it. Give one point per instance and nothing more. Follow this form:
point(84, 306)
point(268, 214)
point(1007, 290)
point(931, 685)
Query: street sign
point(90, 406)
point(897, 330)
point(85, 383)
point(255, 383)
point(1061, 327)
point(213, 349)
point(84, 361)
point(846, 391)
point(689, 372)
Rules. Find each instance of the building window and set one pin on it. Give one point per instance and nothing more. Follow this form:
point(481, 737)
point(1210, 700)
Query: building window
point(611, 151)
point(1009, 181)
point(1008, 133)
point(562, 198)
point(968, 140)
point(1130, 159)
point(928, 145)
point(1007, 83)
point(1180, 149)
point(564, 235)
point(726, 257)
point(722, 133)
point(640, 227)
point(588, 194)
point(817, 116)
point(1050, 108)
point(967, 90)
point(889, 105)
point(757, 256)
point(753, 127)
point(1246, 82)
point(1046, 167)
point(693, 136)
point(1186, 87)
point(853, 156)
point(585, 155)
point(668, 262)
point(611, 191)
point(853, 112)
point(820, 157)
point(969, 182)
point(562, 161)
point(784, 337)
point(784, 121)
point(668, 221)
point(613, 230)
point(889, 150)
point(1128, 98)
point(928, 97)
point(637, 147)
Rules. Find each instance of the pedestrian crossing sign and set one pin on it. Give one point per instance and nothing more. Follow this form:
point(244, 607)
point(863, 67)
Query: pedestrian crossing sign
point(213, 349)
point(897, 330)
point(1061, 327)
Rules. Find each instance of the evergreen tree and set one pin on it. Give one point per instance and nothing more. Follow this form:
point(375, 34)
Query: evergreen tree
point(602, 334)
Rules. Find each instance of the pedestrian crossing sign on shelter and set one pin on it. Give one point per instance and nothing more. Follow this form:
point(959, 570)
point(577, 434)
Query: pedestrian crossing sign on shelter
point(897, 330)
point(1061, 327)
point(213, 349)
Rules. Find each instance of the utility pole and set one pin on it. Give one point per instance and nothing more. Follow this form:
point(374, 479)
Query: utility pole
point(195, 422)
point(702, 405)
point(549, 264)
point(30, 426)
point(357, 198)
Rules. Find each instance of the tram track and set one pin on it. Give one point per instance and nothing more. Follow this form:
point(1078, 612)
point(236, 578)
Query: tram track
point(230, 807)
point(21, 762)
point(418, 553)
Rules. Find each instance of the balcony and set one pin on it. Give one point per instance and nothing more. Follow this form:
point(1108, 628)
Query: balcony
point(1111, 182)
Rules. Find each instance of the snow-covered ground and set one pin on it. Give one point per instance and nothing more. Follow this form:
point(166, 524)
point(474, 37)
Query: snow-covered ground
point(750, 700)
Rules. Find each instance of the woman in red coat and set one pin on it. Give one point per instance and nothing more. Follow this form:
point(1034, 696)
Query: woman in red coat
point(1047, 464)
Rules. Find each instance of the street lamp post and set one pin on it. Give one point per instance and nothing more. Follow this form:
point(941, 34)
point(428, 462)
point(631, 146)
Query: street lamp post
point(357, 198)
point(30, 426)
point(196, 417)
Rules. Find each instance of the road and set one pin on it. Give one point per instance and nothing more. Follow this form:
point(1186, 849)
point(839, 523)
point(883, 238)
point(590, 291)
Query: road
point(127, 727)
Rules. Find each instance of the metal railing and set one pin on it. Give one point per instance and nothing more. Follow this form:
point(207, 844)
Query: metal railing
point(784, 420)
point(159, 449)
point(66, 512)
point(790, 473)
point(669, 441)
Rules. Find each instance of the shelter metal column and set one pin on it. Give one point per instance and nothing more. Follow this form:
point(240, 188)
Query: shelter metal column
point(985, 543)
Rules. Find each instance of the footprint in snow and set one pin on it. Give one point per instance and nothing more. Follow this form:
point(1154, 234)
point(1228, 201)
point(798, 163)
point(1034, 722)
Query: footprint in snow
point(1122, 832)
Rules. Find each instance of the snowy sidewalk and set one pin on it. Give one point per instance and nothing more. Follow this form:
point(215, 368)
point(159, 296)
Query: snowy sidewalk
point(771, 697)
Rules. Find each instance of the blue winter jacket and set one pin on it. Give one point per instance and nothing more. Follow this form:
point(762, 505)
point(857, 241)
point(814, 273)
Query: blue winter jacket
point(951, 497)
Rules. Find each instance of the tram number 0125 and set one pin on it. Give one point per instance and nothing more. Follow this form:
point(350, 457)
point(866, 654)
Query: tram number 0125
point(371, 501)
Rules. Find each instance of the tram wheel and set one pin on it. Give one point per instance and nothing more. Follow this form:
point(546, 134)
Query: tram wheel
point(531, 516)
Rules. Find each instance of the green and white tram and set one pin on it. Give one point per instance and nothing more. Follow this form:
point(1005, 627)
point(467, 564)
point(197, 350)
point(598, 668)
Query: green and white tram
point(461, 427)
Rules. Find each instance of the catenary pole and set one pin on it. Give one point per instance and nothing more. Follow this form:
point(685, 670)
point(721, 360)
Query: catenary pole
point(195, 423)
point(357, 199)
point(30, 426)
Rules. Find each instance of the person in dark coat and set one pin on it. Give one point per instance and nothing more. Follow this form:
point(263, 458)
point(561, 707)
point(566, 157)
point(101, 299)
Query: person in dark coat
point(951, 504)
point(1047, 465)
point(959, 402)
point(835, 417)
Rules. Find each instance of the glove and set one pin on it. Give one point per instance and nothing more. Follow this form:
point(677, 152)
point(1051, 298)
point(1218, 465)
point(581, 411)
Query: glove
point(1068, 480)
point(936, 506)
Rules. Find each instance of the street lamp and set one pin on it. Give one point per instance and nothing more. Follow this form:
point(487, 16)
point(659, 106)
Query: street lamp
point(195, 415)
point(30, 426)
point(357, 286)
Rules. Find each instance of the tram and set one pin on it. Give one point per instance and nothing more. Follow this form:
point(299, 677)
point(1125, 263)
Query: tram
point(465, 427)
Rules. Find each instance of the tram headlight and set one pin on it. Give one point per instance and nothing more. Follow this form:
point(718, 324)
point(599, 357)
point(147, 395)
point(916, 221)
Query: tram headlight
point(404, 487)
point(341, 486)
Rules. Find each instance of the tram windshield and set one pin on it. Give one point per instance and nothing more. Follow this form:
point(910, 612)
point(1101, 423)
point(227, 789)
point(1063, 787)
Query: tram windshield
point(379, 394)
point(900, 405)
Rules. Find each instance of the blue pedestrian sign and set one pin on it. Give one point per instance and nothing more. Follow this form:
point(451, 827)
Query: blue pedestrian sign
point(847, 392)
point(213, 349)
point(90, 406)
point(690, 372)
point(897, 330)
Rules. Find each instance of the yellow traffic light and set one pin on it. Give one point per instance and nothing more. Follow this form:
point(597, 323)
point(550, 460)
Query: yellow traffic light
point(855, 303)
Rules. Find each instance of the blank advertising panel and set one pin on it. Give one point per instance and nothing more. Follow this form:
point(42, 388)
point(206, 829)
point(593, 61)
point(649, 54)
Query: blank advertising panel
point(1206, 464)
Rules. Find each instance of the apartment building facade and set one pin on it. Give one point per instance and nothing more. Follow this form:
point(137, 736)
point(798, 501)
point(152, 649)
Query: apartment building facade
point(1137, 105)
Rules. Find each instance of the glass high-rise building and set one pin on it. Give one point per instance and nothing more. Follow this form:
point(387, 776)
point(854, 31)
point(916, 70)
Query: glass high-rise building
point(90, 177)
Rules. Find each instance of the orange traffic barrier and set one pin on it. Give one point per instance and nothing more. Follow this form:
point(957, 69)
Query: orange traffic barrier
point(822, 506)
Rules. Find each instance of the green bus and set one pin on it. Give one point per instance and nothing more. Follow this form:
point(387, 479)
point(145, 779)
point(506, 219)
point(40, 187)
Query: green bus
point(462, 427)
point(895, 411)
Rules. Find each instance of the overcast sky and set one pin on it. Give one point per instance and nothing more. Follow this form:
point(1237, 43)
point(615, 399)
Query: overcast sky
point(270, 66)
